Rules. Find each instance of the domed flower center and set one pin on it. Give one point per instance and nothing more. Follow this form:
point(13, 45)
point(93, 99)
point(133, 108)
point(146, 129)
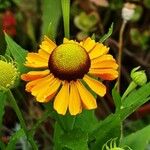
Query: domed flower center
point(8, 74)
point(69, 61)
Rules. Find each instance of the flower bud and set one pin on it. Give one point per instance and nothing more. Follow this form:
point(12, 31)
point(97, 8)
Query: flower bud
point(139, 77)
point(128, 11)
point(8, 73)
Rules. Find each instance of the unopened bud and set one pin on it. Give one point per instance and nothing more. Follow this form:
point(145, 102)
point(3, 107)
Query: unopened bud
point(128, 11)
point(139, 77)
point(8, 73)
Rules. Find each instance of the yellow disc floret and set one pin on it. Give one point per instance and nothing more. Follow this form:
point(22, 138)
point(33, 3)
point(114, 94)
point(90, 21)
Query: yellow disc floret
point(8, 74)
point(69, 61)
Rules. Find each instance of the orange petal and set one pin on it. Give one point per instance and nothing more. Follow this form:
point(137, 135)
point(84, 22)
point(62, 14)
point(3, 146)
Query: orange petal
point(31, 84)
point(74, 100)
point(88, 44)
point(108, 64)
point(36, 61)
point(36, 89)
point(102, 58)
point(48, 91)
point(98, 51)
point(87, 98)
point(48, 45)
point(33, 75)
point(95, 85)
point(61, 101)
point(105, 74)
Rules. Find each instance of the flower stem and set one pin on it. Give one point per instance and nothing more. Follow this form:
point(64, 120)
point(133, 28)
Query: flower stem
point(20, 117)
point(120, 53)
point(130, 88)
point(66, 17)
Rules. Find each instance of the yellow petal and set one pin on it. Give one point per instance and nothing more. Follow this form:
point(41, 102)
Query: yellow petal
point(74, 100)
point(31, 84)
point(33, 75)
point(98, 51)
point(88, 44)
point(41, 84)
point(102, 58)
point(61, 101)
point(87, 98)
point(108, 64)
point(105, 74)
point(65, 40)
point(49, 91)
point(95, 85)
point(36, 61)
point(48, 45)
point(44, 54)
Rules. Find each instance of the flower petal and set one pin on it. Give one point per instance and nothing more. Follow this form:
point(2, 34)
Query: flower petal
point(75, 106)
point(44, 54)
point(36, 61)
point(98, 51)
point(88, 44)
point(36, 89)
point(65, 40)
point(49, 91)
point(31, 84)
point(87, 98)
point(48, 45)
point(61, 101)
point(95, 85)
point(105, 74)
point(102, 58)
point(33, 75)
point(108, 64)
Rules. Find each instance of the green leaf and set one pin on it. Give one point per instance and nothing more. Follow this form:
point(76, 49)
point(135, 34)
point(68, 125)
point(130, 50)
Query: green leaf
point(137, 96)
point(107, 35)
point(3, 97)
point(87, 117)
point(14, 138)
point(51, 16)
point(2, 145)
point(117, 98)
point(17, 52)
point(110, 127)
point(75, 140)
point(138, 140)
point(105, 130)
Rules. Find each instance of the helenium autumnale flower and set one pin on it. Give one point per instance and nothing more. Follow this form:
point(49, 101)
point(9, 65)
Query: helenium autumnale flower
point(64, 68)
point(8, 73)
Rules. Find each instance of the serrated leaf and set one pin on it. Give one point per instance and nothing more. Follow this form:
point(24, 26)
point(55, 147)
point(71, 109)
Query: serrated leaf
point(17, 52)
point(137, 143)
point(108, 34)
point(51, 17)
point(14, 138)
point(117, 98)
point(75, 140)
point(3, 97)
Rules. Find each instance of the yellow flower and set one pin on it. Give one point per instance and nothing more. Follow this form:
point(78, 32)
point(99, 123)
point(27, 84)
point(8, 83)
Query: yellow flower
point(65, 68)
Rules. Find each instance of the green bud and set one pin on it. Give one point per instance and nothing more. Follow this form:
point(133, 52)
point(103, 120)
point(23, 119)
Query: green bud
point(8, 73)
point(139, 77)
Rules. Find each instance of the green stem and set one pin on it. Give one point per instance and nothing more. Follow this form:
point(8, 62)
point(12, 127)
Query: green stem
point(130, 88)
point(20, 117)
point(66, 16)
